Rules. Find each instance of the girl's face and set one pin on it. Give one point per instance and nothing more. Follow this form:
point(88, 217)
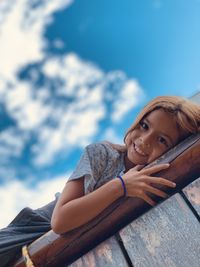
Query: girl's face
point(154, 135)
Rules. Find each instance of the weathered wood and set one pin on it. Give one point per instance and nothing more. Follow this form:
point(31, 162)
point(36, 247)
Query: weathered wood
point(192, 192)
point(167, 235)
point(53, 250)
point(108, 253)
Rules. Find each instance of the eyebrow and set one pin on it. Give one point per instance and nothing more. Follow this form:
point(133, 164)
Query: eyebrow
point(166, 135)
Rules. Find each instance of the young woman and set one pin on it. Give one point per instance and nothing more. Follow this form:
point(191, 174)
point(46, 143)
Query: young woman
point(107, 172)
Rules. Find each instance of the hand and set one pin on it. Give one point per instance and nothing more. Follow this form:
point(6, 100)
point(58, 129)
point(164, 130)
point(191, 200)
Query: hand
point(137, 182)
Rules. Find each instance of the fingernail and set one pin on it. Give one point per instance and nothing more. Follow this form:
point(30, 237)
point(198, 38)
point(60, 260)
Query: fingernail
point(166, 165)
point(174, 184)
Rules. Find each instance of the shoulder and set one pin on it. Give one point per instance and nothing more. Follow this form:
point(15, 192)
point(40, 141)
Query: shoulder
point(102, 148)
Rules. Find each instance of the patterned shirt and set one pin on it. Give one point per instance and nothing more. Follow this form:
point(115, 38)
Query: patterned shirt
point(99, 164)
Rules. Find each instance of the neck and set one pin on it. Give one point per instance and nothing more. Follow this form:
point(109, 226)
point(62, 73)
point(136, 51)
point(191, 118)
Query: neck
point(127, 163)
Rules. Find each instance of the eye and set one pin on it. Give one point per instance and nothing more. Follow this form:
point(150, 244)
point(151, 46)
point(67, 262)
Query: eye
point(144, 125)
point(162, 140)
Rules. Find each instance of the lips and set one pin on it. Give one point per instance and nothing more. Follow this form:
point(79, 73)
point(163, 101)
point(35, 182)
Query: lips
point(139, 151)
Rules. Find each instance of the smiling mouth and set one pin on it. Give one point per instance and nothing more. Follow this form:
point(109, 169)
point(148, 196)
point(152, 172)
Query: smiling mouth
point(139, 151)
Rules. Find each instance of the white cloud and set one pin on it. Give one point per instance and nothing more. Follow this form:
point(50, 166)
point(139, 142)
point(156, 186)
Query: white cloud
point(74, 72)
point(58, 44)
point(28, 111)
point(111, 135)
point(18, 96)
point(56, 124)
point(11, 143)
point(128, 98)
point(15, 195)
point(21, 32)
point(76, 122)
point(74, 128)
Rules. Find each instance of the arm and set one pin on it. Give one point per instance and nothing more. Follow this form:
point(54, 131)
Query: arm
point(74, 208)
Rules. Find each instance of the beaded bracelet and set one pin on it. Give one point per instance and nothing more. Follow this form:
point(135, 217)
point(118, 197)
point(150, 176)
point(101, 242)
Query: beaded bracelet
point(26, 256)
point(123, 184)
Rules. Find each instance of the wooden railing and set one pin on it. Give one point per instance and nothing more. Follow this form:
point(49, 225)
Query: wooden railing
point(52, 250)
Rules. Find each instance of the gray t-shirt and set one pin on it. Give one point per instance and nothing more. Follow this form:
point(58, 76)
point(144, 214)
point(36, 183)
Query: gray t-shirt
point(99, 164)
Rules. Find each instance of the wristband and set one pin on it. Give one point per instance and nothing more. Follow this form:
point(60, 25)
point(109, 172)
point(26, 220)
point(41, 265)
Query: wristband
point(123, 184)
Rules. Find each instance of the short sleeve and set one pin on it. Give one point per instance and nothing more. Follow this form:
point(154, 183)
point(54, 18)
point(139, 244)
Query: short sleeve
point(91, 165)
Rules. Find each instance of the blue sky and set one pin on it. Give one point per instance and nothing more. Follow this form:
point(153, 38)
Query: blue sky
point(76, 72)
point(156, 42)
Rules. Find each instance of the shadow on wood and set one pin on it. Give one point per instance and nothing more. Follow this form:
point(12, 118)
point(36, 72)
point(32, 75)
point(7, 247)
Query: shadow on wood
point(52, 250)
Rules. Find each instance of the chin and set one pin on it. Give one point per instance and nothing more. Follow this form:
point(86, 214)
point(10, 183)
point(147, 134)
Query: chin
point(137, 161)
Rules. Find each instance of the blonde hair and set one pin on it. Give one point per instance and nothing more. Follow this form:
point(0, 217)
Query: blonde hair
point(186, 114)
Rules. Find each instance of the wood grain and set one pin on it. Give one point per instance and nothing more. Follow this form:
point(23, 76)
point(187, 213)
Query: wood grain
point(167, 235)
point(107, 254)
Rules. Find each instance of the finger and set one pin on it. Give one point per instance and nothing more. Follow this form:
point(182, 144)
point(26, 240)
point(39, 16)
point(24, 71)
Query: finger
point(149, 200)
point(155, 191)
point(159, 180)
point(138, 167)
point(156, 168)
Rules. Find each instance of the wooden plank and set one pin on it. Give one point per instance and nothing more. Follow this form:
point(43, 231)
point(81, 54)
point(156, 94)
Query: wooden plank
point(53, 250)
point(167, 235)
point(107, 254)
point(192, 192)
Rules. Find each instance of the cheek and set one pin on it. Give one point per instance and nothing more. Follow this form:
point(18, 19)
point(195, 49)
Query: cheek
point(129, 138)
point(157, 152)
point(132, 136)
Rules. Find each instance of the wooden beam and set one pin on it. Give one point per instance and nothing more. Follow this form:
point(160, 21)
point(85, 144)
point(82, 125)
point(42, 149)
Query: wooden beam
point(52, 250)
point(167, 236)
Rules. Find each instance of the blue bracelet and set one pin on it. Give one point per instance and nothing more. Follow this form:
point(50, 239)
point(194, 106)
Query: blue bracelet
point(123, 184)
